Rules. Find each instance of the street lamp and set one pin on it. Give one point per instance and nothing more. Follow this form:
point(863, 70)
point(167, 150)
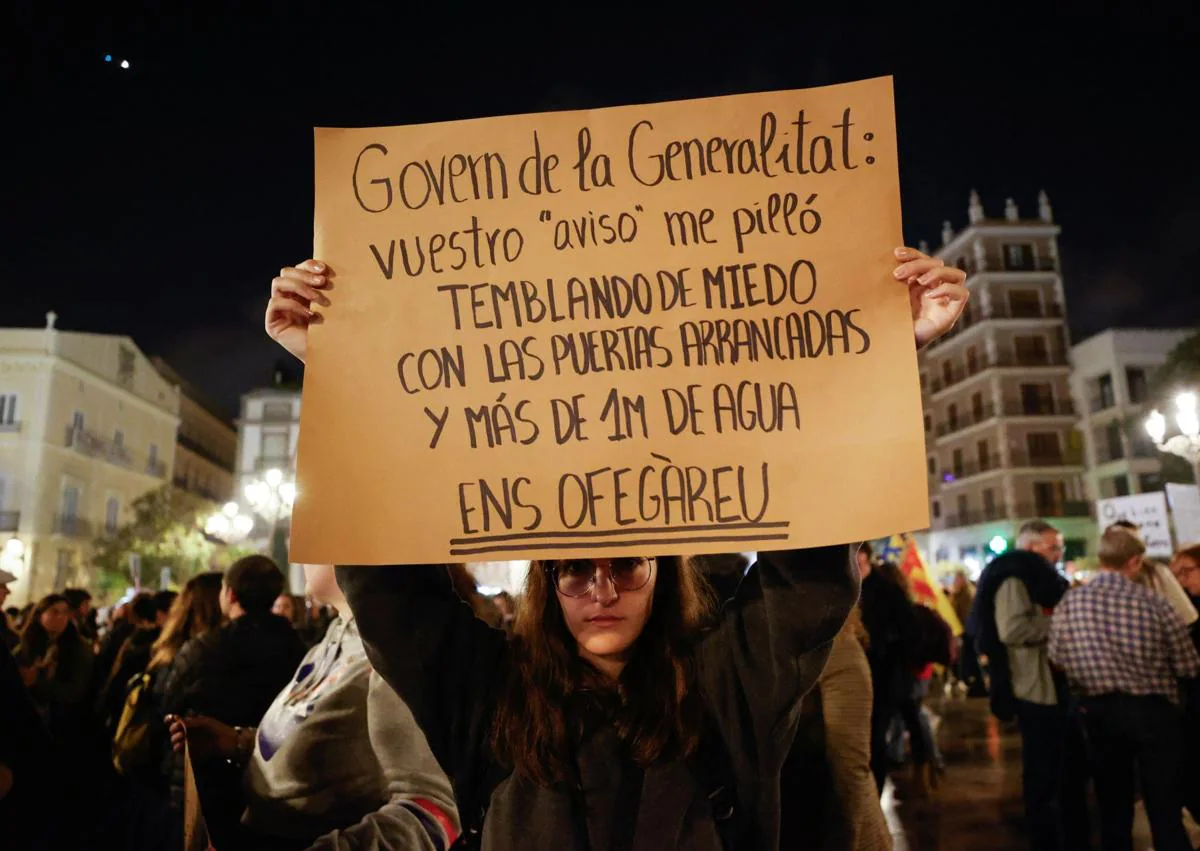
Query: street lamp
point(229, 524)
point(272, 498)
point(1186, 444)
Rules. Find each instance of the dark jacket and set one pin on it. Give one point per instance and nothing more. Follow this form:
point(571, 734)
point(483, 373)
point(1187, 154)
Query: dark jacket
point(132, 660)
point(765, 652)
point(891, 624)
point(233, 673)
point(1045, 586)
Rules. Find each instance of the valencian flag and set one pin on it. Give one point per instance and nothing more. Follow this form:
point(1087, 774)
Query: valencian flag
point(902, 549)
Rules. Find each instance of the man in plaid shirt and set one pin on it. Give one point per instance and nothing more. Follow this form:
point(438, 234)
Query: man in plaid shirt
point(1124, 649)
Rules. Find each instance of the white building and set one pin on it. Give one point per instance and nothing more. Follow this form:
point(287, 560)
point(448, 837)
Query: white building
point(999, 418)
point(87, 425)
point(1110, 381)
point(268, 430)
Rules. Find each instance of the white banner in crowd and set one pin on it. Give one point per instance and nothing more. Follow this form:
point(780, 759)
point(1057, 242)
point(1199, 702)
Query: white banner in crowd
point(1148, 511)
point(1185, 506)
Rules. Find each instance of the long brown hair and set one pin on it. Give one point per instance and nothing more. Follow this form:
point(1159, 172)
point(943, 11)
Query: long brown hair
point(654, 706)
point(195, 611)
point(36, 642)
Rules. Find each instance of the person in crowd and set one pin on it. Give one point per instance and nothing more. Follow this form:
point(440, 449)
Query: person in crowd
point(8, 631)
point(1159, 578)
point(233, 673)
point(337, 762)
point(56, 666)
point(623, 712)
point(148, 613)
point(1011, 626)
point(293, 609)
point(1125, 649)
point(79, 601)
point(888, 617)
point(120, 627)
point(833, 803)
point(962, 597)
point(31, 791)
point(1185, 567)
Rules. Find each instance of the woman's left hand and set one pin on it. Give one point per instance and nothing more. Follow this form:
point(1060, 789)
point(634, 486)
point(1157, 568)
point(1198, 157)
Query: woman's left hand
point(935, 291)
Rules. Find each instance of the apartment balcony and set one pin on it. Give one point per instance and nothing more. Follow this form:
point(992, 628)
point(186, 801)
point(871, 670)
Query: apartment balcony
point(9, 521)
point(1042, 264)
point(968, 469)
point(970, 518)
point(1010, 408)
point(966, 420)
point(1020, 459)
point(72, 526)
point(1021, 511)
point(976, 314)
point(156, 468)
point(956, 375)
point(85, 442)
point(1041, 408)
point(1029, 510)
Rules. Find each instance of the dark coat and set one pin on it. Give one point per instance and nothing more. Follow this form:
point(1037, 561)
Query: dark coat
point(1045, 586)
point(132, 660)
point(891, 623)
point(753, 668)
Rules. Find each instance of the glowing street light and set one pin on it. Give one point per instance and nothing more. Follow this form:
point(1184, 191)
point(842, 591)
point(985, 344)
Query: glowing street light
point(1186, 444)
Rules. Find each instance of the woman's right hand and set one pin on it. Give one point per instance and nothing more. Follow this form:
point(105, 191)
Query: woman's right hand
point(207, 737)
point(289, 312)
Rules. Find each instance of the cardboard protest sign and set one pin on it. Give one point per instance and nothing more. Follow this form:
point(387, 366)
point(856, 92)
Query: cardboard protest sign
point(195, 830)
point(662, 329)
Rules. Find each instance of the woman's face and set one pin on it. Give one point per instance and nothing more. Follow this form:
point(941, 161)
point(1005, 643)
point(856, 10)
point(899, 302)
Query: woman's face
point(609, 616)
point(1188, 573)
point(54, 619)
point(284, 607)
point(320, 584)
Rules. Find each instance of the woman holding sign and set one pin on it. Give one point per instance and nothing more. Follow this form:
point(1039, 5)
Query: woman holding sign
point(627, 712)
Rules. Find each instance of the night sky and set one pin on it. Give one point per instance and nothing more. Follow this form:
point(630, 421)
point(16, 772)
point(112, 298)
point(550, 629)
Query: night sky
point(160, 201)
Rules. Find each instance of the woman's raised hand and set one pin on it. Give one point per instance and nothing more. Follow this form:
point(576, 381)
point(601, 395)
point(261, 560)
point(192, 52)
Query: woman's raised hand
point(289, 312)
point(935, 291)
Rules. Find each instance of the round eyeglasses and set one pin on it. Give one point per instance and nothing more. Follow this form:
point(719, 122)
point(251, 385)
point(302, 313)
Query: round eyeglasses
point(578, 577)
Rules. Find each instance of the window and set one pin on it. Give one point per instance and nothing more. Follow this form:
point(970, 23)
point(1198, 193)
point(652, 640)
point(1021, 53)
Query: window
point(1113, 448)
point(947, 373)
point(962, 508)
point(1049, 498)
point(277, 410)
point(977, 407)
point(118, 438)
point(70, 502)
point(924, 380)
point(1037, 399)
point(928, 423)
point(972, 360)
point(112, 512)
point(1031, 350)
point(77, 421)
point(989, 504)
point(932, 472)
point(274, 445)
point(937, 510)
point(1018, 257)
point(1147, 483)
point(62, 569)
point(1121, 485)
point(1104, 388)
point(125, 366)
point(1024, 304)
point(8, 409)
point(981, 452)
point(1139, 391)
point(1043, 448)
point(958, 463)
point(153, 454)
point(952, 416)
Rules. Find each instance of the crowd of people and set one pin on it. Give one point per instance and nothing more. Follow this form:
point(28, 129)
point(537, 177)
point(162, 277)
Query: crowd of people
point(628, 703)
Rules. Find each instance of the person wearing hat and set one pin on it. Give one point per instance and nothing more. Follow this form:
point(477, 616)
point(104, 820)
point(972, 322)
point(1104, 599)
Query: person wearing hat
point(7, 634)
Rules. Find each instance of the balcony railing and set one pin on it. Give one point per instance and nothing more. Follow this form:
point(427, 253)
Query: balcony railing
point(975, 314)
point(72, 526)
point(1069, 508)
point(958, 374)
point(966, 420)
point(155, 467)
point(971, 468)
point(116, 453)
point(1045, 459)
point(1041, 408)
point(970, 518)
point(1042, 264)
point(9, 521)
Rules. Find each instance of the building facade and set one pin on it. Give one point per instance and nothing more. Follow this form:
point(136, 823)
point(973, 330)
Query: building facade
point(1110, 382)
point(206, 446)
point(87, 425)
point(999, 414)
